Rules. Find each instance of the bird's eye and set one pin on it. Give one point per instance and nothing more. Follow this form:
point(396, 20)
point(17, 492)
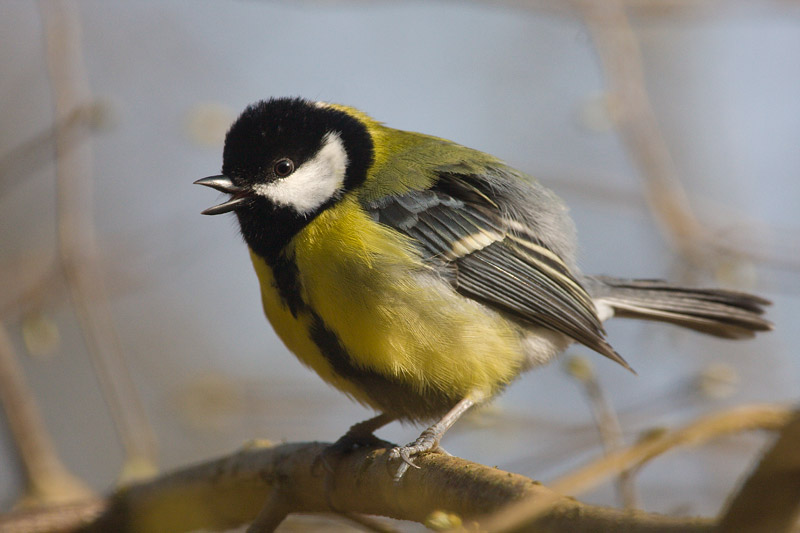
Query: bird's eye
point(283, 167)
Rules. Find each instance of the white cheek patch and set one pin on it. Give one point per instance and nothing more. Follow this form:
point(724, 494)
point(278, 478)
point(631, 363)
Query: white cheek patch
point(314, 182)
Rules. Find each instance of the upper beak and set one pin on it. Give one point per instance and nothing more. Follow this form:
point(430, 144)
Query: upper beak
point(224, 184)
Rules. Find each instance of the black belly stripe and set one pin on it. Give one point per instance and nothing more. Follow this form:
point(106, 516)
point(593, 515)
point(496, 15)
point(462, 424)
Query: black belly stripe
point(394, 397)
point(287, 283)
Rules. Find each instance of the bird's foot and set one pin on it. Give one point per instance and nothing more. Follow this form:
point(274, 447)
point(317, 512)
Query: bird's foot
point(428, 441)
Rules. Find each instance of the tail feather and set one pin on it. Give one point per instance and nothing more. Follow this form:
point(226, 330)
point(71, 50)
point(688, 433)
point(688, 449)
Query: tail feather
point(718, 312)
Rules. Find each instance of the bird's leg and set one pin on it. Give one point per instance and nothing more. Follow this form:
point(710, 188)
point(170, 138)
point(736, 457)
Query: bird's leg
point(359, 435)
point(428, 439)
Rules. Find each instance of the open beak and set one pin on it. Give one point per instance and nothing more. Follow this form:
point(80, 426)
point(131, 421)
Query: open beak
point(224, 184)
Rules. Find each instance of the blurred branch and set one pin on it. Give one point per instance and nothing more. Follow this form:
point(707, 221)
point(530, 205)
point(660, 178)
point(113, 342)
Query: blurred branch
point(736, 420)
point(31, 277)
point(646, 8)
point(55, 519)
point(769, 501)
point(607, 423)
point(26, 280)
point(48, 480)
point(77, 240)
point(770, 417)
point(23, 159)
point(621, 58)
point(267, 483)
point(770, 246)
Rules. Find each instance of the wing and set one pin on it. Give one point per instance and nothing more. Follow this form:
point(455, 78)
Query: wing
point(491, 257)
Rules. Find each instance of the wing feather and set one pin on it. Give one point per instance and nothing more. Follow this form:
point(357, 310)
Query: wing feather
point(495, 259)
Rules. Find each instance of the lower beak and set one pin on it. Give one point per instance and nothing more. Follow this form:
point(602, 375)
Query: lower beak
point(224, 184)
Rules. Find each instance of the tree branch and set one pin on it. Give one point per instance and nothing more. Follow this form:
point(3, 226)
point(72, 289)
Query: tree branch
point(769, 501)
point(263, 484)
point(77, 240)
point(234, 490)
point(48, 480)
point(735, 420)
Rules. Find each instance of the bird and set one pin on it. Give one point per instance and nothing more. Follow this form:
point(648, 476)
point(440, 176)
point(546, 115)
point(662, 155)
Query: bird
point(421, 277)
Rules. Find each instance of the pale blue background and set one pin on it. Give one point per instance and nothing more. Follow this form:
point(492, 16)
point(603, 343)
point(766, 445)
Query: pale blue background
point(509, 81)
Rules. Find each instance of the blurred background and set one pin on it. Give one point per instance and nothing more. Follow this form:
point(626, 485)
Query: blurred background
point(670, 127)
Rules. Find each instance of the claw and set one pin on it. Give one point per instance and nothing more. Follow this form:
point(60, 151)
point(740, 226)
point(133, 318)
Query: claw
point(428, 440)
point(405, 454)
point(406, 457)
point(401, 471)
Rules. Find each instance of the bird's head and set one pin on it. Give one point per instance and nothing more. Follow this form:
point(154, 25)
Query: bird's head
point(285, 161)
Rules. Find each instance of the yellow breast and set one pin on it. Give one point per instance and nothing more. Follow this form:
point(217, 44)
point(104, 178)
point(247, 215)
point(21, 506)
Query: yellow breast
point(400, 326)
point(294, 330)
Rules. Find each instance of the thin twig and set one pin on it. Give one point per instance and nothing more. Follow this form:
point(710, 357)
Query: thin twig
point(769, 500)
point(48, 480)
point(77, 240)
point(764, 417)
point(65, 518)
point(736, 420)
point(607, 424)
point(27, 280)
point(22, 160)
point(621, 58)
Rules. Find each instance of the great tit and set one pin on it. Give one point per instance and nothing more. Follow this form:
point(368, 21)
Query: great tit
point(418, 276)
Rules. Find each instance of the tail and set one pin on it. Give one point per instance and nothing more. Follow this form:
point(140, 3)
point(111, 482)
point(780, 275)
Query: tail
point(718, 312)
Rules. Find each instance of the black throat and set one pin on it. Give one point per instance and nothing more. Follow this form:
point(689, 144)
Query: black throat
point(290, 127)
point(268, 229)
